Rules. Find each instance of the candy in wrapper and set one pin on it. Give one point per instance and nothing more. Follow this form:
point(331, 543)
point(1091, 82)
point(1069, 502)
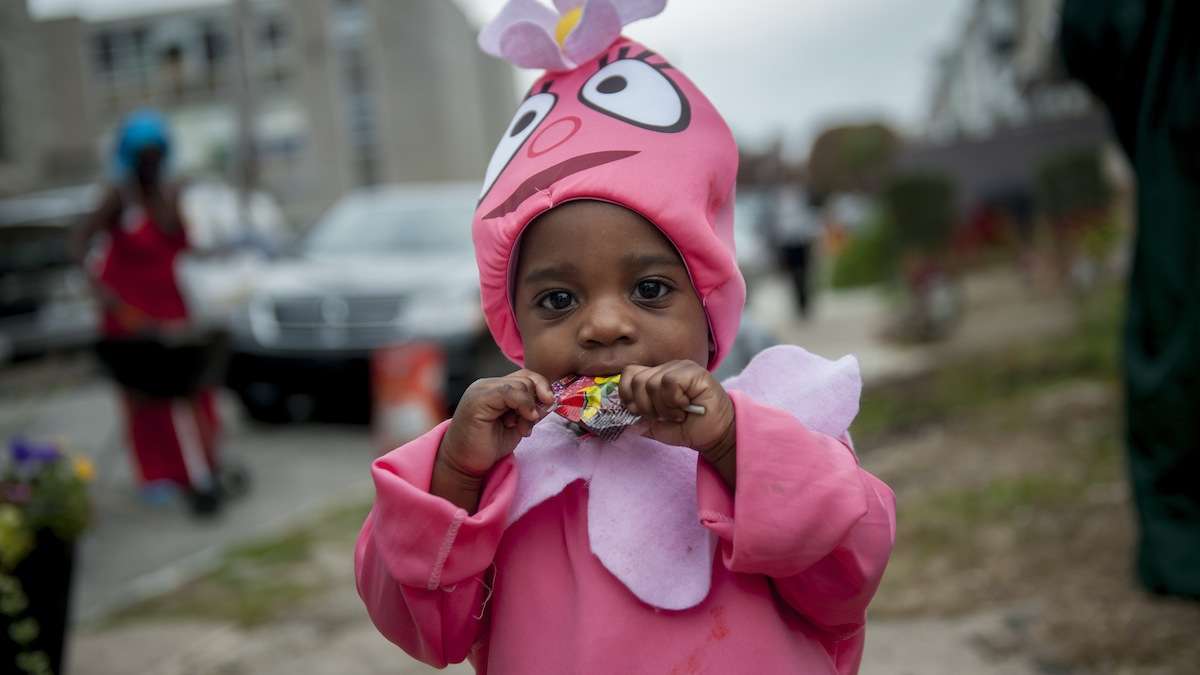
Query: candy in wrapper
point(592, 405)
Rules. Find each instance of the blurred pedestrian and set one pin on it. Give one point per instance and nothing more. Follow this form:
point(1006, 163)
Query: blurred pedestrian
point(173, 437)
point(792, 224)
point(1141, 58)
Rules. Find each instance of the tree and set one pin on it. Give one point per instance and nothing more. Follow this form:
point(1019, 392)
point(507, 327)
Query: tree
point(851, 158)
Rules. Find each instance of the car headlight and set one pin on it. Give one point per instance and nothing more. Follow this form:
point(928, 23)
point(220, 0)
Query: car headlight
point(443, 317)
point(263, 327)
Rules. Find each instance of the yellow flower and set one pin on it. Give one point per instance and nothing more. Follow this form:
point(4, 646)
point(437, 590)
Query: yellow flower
point(84, 469)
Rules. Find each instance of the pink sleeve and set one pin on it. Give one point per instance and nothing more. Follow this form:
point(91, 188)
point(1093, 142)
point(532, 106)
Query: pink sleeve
point(804, 513)
point(421, 563)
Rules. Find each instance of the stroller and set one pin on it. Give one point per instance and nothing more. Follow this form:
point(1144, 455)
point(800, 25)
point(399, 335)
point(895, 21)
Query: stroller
point(176, 367)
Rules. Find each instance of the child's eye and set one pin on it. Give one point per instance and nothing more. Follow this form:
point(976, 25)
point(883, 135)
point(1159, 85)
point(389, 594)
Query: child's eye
point(556, 301)
point(651, 290)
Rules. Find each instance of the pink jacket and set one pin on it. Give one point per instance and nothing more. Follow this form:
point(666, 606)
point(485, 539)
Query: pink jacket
point(804, 540)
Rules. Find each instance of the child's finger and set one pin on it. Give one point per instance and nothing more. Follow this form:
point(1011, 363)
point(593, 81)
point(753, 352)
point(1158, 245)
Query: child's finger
point(670, 399)
point(686, 383)
point(541, 386)
point(642, 398)
point(517, 395)
point(626, 389)
point(654, 387)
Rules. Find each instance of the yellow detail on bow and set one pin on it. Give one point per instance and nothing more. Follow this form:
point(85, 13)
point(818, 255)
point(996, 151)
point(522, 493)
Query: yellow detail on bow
point(566, 24)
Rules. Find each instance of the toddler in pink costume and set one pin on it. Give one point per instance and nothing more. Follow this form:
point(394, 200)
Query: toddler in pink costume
point(743, 540)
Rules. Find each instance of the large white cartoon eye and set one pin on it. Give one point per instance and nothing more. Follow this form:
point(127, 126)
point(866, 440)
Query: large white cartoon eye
point(634, 91)
point(527, 118)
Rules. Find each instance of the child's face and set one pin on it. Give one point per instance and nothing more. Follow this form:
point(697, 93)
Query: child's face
point(599, 288)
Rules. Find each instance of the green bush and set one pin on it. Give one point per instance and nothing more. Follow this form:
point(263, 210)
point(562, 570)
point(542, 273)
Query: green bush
point(920, 207)
point(869, 257)
point(1072, 182)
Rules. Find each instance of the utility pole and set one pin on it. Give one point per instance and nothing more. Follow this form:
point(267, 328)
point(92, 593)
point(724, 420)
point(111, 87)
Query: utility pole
point(245, 155)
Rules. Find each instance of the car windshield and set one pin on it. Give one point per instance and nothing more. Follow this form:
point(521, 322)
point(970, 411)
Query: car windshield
point(390, 225)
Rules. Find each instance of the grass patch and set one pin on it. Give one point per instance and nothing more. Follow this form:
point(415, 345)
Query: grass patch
point(868, 259)
point(1000, 499)
point(903, 406)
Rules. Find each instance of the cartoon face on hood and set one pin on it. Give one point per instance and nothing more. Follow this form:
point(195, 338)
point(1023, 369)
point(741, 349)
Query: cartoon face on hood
point(626, 128)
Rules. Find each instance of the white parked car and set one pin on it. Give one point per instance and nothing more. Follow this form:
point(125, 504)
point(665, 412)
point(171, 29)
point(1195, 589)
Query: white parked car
point(385, 266)
point(45, 303)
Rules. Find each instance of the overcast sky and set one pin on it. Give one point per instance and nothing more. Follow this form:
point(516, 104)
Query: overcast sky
point(772, 67)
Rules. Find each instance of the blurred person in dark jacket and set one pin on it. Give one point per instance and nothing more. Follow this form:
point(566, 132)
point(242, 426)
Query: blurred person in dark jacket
point(1141, 58)
point(793, 227)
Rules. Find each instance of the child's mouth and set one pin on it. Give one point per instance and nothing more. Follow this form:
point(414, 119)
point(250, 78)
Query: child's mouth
point(601, 372)
point(603, 369)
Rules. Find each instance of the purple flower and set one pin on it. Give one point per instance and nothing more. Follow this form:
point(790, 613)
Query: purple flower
point(25, 452)
point(528, 34)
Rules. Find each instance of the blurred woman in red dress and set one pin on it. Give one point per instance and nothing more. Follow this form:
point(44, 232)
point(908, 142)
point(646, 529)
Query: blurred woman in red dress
point(173, 437)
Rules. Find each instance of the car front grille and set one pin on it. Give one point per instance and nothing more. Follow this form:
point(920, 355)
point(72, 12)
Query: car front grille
point(299, 312)
point(373, 310)
point(335, 322)
point(337, 311)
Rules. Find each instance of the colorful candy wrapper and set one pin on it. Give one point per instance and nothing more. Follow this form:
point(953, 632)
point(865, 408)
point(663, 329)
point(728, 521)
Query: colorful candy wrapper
point(592, 405)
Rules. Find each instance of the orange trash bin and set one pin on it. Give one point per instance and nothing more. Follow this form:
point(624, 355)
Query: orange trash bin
point(408, 383)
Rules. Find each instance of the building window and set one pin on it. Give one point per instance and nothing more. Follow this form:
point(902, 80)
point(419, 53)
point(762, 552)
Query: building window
point(215, 47)
point(360, 113)
point(274, 37)
point(139, 39)
point(106, 53)
point(274, 33)
point(355, 71)
point(172, 65)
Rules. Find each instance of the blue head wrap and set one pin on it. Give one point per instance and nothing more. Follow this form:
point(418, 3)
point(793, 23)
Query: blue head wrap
point(139, 130)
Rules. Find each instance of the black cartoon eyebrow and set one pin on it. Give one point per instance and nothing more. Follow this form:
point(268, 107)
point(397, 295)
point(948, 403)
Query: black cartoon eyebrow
point(644, 55)
point(545, 88)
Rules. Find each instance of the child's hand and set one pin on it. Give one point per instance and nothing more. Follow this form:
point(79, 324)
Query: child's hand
point(492, 417)
point(661, 395)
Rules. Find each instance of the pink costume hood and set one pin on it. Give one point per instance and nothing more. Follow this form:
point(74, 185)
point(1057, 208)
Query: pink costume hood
point(623, 127)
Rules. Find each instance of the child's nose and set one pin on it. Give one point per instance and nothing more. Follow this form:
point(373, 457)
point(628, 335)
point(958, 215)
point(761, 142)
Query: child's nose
point(606, 323)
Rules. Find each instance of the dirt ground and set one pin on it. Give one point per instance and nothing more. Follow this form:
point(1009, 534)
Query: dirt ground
point(1010, 477)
